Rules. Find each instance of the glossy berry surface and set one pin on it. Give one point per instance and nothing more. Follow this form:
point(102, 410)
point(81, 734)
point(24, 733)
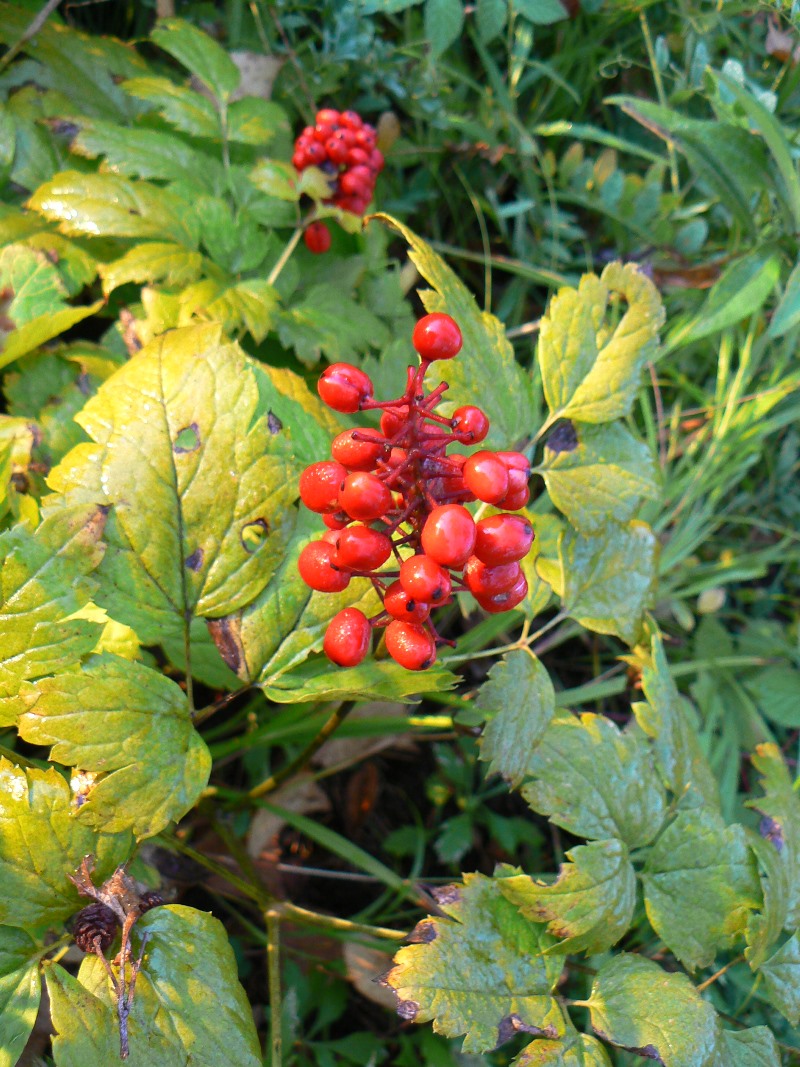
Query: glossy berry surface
point(424, 579)
point(486, 476)
point(316, 567)
point(359, 450)
point(364, 496)
point(343, 146)
point(317, 238)
point(448, 536)
point(410, 645)
point(470, 424)
point(344, 388)
point(503, 539)
point(360, 548)
point(401, 605)
point(347, 637)
point(436, 336)
point(483, 580)
point(319, 486)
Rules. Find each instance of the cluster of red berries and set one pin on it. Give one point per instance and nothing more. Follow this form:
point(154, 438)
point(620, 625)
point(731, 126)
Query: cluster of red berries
point(395, 492)
point(343, 146)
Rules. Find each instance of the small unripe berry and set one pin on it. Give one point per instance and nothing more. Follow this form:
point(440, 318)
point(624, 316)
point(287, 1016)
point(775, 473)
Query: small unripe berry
point(410, 645)
point(364, 496)
point(344, 387)
point(436, 336)
point(316, 568)
point(347, 637)
point(424, 579)
point(448, 535)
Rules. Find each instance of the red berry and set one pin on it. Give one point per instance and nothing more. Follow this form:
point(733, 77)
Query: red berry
point(320, 484)
point(361, 548)
point(424, 579)
point(376, 160)
point(364, 496)
point(365, 137)
point(315, 153)
point(336, 520)
point(358, 156)
point(323, 131)
point(486, 476)
point(344, 387)
point(503, 539)
point(410, 645)
point(436, 336)
point(347, 637)
point(515, 498)
point(317, 570)
point(515, 461)
point(393, 420)
point(317, 238)
point(337, 147)
point(448, 536)
point(404, 607)
point(505, 601)
point(357, 454)
point(328, 115)
point(470, 424)
point(351, 120)
point(489, 581)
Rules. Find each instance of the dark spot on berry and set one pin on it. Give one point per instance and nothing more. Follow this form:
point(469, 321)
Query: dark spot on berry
point(254, 534)
point(274, 424)
point(195, 561)
point(187, 439)
point(563, 438)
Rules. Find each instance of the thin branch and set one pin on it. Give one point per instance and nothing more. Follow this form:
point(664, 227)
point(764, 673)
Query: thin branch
point(34, 27)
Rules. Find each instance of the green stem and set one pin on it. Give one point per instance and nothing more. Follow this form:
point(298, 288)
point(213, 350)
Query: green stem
point(331, 922)
point(662, 98)
point(274, 980)
point(285, 255)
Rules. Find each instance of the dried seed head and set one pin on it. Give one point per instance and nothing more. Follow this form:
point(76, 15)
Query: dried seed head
point(150, 899)
point(94, 921)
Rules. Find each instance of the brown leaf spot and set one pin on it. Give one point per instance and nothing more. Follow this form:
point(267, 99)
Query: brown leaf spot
point(423, 933)
point(771, 830)
point(513, 1024)
point(254, 534)
point(563, 438)
point(195, 561)
point(226, 635)
point(446, 894)
point(187, 439)
point(408, 1010)
point(274, 424)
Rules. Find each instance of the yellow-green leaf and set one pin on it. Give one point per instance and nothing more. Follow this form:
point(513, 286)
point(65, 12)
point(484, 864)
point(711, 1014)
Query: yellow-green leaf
point(152, 261)
point(182, 108)
point(199, 53)
point(20, 992)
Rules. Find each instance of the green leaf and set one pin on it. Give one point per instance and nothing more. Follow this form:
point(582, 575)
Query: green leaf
point(107, 205)
point(595, 780)
point(540, 12)
point(637, 1005)
point(480, 971)
point(255, 121)
point(184, 458)
point(327, 322)
point(372, 680)
point(248, 305)
point(519, 701)
point(590, 905)
point(670, 720)
point(129, 724)
point(170, 1022)
point(781, 975)
point(597, 473)
point(780, 807)
point(43, 584)
point(76, 268)
point(38, 310)
point(386, 7)
point(20, 992)
point(755, 1047)
point(764, 927)
point(700, 882)
point(590, 362)
point(41, 843)
point(775, 691)
point(276, 178)
point(573, 1051)
point(443, 22)
point(609, 577)
point(487, 355)
point(199, 53)
point(152, 261)
point(490, 18)
point(146, 154)
point(741, 289)
point(182, 108)
point(787, 314)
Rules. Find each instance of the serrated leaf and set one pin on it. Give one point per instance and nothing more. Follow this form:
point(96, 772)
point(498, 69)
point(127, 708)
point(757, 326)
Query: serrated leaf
point(38, 310)
point(107, 205)
point(609, 577)
point(597, 473)
point(670, 721)
point(755, 1047)
point(43, 583)
point(76, 268)
point(255, 121)
point(637, 1005)
point(506, 987)
point(590, 905)
point(132, 726)
point(764, 927)
point(327, 322)
point(519, 701)
point(199, 497)
point(152, 261)
point(775, 691)
point(540, 12)
point(487, 355)
point(147, 154)
point(781, 976)
point(199, 53)
point(591, 366)
point(249, 305)
point(577, 1050)
point(182, 108)
point(20, 992)
point(595, 780)
point(41, 843)
point(780, 807)
point(443, 22)
point(700, 883)
point(287, 621)
point(372, 680)
point(276, 178)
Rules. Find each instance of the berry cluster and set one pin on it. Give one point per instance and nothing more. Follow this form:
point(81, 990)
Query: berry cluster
point(343, 146)
point(395, 493)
